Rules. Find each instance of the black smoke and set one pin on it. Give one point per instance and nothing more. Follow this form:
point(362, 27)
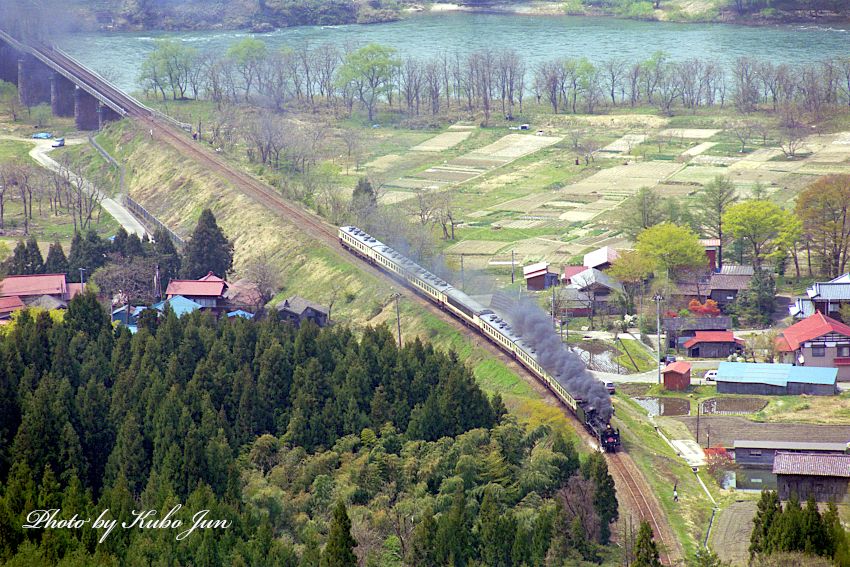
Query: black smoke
point(536, 329)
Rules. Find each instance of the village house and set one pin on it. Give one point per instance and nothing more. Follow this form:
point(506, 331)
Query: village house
point(601, 258)
point(725, 285)
point(590, 291)
point(680, 329)
point(825, 477)
point(297, 310)
point(817, 341)
point(570, 272)
point(774, 379)
point(713, 344)
point(208, 291)
point(826, 297)
point(538, 277)
point(43, 290)
point(762, 453)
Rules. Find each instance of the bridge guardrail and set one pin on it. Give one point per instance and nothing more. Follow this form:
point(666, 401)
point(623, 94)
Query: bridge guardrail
point(152, 111)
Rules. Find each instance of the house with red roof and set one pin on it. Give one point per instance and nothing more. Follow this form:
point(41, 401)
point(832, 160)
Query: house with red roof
point(208, 291)
point(817, 341)
point(17, 292)
point(713, 344)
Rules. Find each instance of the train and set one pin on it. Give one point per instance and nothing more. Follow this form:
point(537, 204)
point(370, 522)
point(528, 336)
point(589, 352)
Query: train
point(484, 320)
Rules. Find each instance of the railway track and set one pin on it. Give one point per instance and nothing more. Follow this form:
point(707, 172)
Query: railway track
point(624, 471)
point(624, 468)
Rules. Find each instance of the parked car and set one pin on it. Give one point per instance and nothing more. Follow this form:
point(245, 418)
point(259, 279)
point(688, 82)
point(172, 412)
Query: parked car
point(710, 375)
point(58, 143)
point(42, 136)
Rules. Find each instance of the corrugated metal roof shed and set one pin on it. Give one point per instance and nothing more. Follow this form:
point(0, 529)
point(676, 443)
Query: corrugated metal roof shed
point(774, 374)
point(789, 445)
point(812, 464)
point(829, 290)
point(737, 270)
point(697, 323)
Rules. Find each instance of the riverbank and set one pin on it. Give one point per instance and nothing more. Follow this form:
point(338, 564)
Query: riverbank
point(195, 15)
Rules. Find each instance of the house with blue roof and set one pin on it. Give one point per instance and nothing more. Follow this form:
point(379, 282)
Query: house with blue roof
point(775, 379)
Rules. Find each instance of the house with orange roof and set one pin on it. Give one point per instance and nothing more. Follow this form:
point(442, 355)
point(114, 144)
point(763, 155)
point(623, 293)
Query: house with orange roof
point(208, 291)
point(17, 292)
point(817, 341)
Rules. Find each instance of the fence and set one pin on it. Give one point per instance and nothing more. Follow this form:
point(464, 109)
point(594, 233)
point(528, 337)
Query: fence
point(150, 220)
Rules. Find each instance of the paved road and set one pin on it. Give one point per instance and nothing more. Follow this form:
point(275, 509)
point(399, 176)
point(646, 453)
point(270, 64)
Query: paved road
point(110, 205)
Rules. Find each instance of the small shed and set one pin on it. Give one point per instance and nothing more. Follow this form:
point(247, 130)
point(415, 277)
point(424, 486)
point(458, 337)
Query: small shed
point(677, 376)
point(538, 277)
point(762, 453)
point(297, 310)
point(775, 379)
point(713, 344)
point(680, 329)
point(826, 477)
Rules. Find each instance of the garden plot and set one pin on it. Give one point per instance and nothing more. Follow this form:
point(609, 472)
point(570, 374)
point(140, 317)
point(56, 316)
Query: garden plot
point(443, 142)
point(824, 169)
point(677, 189)
point(462, 126)
point(730, 538)
point(476, 247)
point(524, 204)
point(714, 160)
point(578, 215)
point(447, 174)
point(625, 144)
point(700, 174)
point(690, 133)
point(534, 248)
point(416, 184)
point(514, 146)
point(613, 122)
point(524, 224)
point(392, 197)
point(698, 149)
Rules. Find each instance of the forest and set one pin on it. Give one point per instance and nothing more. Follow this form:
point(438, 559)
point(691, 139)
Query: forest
point(297, 437)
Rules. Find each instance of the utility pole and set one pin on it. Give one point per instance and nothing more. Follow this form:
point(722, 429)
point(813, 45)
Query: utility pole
point(512, 266)
point(553, 306)
point(462, 279)
point(698, 405)
point(398, 318)
point(658, 299)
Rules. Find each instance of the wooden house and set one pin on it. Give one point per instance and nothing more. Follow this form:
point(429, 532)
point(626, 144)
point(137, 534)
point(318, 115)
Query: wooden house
point(825, 477)
point(677, 376)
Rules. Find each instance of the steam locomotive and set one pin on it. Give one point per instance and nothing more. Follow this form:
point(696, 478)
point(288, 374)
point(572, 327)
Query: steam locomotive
point(474, 315)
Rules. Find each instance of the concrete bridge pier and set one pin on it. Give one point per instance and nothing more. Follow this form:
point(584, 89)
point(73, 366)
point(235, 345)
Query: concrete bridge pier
point(86, 113)
point(106, 114)
point(33, 81)
point(62, 93)
point(8, 63)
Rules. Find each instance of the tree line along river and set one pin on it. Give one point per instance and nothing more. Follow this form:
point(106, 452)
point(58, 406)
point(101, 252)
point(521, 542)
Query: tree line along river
point(535, 38)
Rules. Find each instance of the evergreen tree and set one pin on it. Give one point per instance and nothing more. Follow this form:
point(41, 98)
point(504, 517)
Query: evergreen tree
point(166, 257)
point(56, 262)
point(452, 544)
point(496, 533)
point(339, 550)
point(88, 252)
point(35, 261)
point(815, 536)
point(767, 511)
point(16, 265)
point(208, 250)
point(646, 550)
point(605, 497)
point(364, 200)
point(706, 558)
point(570, 464)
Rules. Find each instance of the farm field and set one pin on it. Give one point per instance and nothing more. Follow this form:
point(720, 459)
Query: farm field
point(534, 194)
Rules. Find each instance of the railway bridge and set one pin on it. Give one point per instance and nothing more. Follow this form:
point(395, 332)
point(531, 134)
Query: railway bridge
point(46, 74)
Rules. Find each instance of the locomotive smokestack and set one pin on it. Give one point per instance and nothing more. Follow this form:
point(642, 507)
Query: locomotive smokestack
point(535, 326)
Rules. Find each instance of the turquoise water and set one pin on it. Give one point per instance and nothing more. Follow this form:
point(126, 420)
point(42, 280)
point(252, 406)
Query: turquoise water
point(536, 38)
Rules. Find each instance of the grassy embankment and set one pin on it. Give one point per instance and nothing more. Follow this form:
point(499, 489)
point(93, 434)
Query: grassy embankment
point(663, 469)
point(177, 189)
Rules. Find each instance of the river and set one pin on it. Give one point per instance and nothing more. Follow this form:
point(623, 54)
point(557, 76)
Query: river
point(536, 38)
